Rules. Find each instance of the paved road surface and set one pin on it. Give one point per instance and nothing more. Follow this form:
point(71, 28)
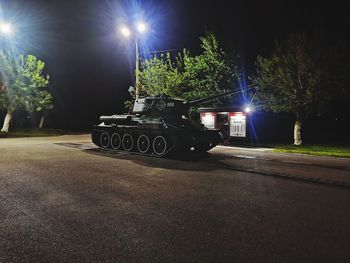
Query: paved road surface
point(62, 201)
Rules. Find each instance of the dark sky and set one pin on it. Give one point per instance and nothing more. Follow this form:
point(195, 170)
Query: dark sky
point(91, 66)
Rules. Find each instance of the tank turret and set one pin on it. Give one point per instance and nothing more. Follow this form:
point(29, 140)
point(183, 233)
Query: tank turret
point(161, 105)
point(157, 126)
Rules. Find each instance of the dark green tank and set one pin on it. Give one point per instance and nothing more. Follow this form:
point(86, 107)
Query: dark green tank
point(157, 127)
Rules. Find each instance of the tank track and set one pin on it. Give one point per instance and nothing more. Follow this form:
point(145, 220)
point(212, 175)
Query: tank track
point(147, 142)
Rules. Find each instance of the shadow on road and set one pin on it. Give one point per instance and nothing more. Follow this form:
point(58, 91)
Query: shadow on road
point(192, 161)
point(187, 161)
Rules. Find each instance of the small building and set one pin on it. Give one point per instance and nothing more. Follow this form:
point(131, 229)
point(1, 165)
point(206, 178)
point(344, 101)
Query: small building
point(232, 120)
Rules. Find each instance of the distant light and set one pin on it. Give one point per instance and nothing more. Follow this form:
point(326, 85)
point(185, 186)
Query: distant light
point(125, 31)
point(6, 28)
point(247, 109)
point(141, 27)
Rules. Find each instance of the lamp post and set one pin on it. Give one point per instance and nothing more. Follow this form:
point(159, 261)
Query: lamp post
point(137, 70)
point(139, 30)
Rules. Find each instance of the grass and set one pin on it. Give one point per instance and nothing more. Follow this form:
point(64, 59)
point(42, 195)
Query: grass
point(32, 133)
point(321, 150)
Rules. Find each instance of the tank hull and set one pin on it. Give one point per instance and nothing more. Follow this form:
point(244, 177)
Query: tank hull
point(159, 140)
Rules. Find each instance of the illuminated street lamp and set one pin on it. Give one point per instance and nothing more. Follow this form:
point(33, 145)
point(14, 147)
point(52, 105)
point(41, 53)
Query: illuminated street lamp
point(140, 29)
point(125, 31)
point(6, 28)
point(249, 109)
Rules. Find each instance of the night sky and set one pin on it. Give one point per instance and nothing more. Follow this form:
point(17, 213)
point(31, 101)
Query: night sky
point(91, 66)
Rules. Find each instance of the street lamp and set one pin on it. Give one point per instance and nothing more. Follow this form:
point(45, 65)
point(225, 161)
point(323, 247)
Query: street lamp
point(249, 109)
point(125, 31)
point(139, 29)
point(6, 28)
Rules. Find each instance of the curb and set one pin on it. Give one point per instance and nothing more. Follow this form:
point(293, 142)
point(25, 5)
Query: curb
point(298, 178)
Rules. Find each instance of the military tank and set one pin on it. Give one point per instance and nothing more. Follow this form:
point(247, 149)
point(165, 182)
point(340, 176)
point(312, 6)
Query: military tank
point(157, 126)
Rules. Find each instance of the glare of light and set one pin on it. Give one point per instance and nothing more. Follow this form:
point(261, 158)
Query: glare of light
point(125, 31)
point(141, 27)
point(6, 28)
point(247, 109)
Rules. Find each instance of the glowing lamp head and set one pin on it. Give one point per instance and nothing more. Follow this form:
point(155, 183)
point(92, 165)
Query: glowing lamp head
point(247, 109)
point(6, 28)
point(141, 27)
point(125, 31)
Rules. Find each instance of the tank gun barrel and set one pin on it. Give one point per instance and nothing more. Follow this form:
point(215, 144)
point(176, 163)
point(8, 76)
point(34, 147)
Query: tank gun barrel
point(202, 100)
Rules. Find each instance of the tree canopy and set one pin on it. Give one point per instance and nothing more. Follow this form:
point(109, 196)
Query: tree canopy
point(298, 78)
point(189, 76)
point(23, 84)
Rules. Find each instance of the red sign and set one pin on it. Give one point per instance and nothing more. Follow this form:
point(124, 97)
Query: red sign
point(208, 119)
point(238, 124)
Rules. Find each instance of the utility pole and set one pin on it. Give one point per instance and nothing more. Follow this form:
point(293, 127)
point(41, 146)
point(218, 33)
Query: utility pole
point(137, 70)
point(139, 30)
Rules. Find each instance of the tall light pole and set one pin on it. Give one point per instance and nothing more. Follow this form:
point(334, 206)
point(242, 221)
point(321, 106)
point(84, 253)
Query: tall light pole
point(138, 31)
point(137, 69)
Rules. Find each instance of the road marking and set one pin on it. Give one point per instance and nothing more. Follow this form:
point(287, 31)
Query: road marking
point(244, 156)
point(292, 162)
point(81, 146)
point(245, 149)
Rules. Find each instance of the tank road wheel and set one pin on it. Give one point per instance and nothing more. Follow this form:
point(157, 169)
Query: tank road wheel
point(116, 141)
point(127, 142)
point(143, 143)
point(105, 140)
point(160, 145)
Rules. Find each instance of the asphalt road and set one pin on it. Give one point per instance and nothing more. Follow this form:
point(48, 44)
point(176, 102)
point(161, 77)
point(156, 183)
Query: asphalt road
point(63, 201)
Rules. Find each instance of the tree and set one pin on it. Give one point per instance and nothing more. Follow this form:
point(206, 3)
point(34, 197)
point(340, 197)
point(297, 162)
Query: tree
point(26, 86)
point(209, 73)
point(296, 79)
point(8, 77)
point(34, 78)
point(189, 77)
point(160, 75)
